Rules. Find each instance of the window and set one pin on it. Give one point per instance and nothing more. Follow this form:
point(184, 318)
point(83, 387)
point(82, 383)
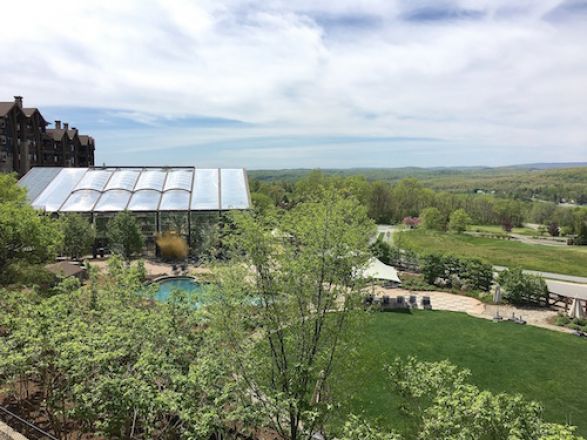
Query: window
point(2, 140)
point(3, 156)
point(2, 123)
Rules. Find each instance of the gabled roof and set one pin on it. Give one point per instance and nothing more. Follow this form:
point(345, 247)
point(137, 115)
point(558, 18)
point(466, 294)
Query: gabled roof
point(85, 139)
point(5, 107)
point(56, 133)
point(71, 134)
point(30, 111)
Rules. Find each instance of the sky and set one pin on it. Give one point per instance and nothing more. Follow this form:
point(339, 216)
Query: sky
point(306, 83)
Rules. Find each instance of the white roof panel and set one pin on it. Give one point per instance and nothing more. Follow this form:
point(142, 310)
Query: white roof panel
point(206, 191)
point(58, 190)
point(113, 200)
point(81, 201)
point(175, 200)
point(151, 179)
point(144, 200)
point(179, 179)
point(37, 179)
point(233, 186)
point(123, 179)
point(94, 179)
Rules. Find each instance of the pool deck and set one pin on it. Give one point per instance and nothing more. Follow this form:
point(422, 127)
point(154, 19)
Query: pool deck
point(155, 269)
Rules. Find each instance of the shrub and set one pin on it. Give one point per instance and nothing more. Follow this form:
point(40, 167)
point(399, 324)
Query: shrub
point(553, 229)
point(520, 288)
point(172, 246)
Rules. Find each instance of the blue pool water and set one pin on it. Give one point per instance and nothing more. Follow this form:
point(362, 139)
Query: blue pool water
point(168, 285)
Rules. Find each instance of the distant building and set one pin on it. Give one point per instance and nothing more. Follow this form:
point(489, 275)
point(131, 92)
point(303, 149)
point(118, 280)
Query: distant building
point(26, 142)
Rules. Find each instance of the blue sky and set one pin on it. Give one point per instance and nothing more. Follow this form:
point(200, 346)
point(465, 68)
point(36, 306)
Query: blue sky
point(283, 84)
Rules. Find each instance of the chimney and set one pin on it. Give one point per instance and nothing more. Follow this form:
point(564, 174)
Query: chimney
point(18, 101)
point(66, 126)
point(58, 124)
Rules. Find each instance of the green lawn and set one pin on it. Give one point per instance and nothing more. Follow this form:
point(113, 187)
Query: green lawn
point(543, 365)
point(494, 229)
point(561, 259)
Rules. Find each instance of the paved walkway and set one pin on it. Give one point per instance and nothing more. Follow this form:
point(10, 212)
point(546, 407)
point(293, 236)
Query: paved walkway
point(538, 317)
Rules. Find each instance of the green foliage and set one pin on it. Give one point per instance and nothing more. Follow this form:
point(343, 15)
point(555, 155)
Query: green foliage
point(262, 203)
point(10, 191)
point(124, 235)
point(387, 253)
point(432, 219)
point(432, 267)
point(357, 429)
point(459, 220)
point(297, 278)
point(443, 405)
point(78, 235)
point(520, 288)
point(26, 237)
point(118, 367)
point(450, 271)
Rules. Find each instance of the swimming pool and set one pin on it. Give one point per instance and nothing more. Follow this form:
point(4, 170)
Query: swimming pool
point(168, 285)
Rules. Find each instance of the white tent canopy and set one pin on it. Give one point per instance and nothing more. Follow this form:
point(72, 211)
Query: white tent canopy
point(377, 270)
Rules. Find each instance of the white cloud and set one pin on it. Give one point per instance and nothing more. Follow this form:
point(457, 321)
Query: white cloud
point(508, 77)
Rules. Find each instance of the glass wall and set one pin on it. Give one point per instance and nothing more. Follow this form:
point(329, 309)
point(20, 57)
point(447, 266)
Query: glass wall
point(204, 233)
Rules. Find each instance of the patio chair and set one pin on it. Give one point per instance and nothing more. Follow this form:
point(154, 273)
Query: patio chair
point(426, 304)
point(401, 302)
point(413, 301)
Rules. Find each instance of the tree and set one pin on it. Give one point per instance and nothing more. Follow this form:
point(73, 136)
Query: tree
point(432, 219)
point(124, 235)
point(380, 202)
point(440, 404)
point(10, 191)
point(26, 237)
point(459, 220)
point(78, 235)
point(553, 229)
point(297, 279)
point(432, 267)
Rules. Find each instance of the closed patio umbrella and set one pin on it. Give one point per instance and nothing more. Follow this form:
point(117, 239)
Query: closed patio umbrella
point(497, 300)
point(497, 294)
point(576, 310)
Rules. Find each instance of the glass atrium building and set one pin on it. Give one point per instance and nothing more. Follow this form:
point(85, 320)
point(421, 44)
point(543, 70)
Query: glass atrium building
point(186, 200)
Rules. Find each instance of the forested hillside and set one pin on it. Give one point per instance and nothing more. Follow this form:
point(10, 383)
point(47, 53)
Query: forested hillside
point(539, 182)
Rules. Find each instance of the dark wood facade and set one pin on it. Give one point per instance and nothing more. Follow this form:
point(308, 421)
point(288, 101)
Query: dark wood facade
point(26, 142)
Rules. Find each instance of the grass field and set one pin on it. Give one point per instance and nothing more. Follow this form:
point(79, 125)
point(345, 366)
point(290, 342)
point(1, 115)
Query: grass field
point(560, 259)
point(542, 365)
point(494, 229)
